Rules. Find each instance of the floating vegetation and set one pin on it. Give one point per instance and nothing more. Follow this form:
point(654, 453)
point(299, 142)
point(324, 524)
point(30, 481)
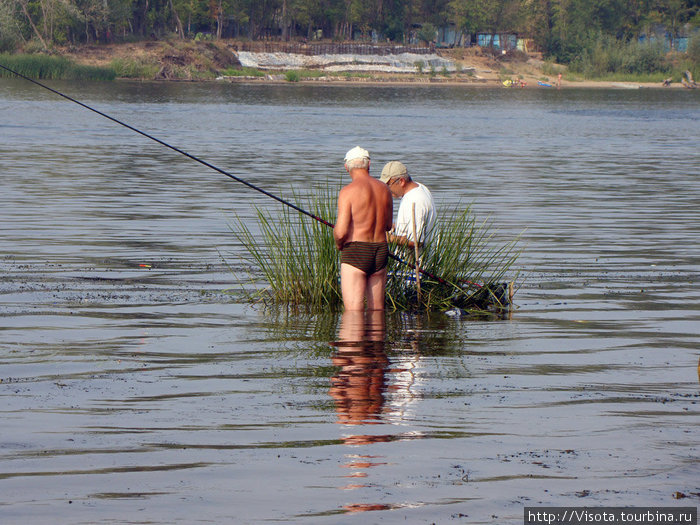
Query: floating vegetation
point(296, 257)
point(48, 67)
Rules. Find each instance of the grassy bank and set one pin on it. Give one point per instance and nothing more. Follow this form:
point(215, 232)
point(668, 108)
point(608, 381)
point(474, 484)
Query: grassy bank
point(174, 59)
point(295, 262)
point(46, 67)
point(644, 62)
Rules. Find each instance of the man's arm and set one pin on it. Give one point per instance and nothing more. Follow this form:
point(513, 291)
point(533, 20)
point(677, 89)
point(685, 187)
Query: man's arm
point(342, 223)
point(403, 223)
point(400, 240)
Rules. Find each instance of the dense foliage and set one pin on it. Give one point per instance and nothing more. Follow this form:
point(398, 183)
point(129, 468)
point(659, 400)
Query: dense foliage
point(562, 28)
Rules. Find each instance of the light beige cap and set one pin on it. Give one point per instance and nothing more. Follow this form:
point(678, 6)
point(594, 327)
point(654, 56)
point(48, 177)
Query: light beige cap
point(356, 153)
point(393, 169)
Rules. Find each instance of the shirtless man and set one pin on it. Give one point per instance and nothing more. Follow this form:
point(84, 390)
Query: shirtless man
point(364, 216)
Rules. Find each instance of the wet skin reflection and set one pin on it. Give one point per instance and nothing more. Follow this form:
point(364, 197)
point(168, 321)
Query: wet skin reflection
point(358, 389)
point(358, 386)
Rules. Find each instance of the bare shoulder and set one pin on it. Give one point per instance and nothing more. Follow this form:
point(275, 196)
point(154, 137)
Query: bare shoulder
point(345, 190)
point(380, 187)
point(350, 189)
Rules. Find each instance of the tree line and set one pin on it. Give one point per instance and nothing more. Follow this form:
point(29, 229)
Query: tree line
point(560, 28)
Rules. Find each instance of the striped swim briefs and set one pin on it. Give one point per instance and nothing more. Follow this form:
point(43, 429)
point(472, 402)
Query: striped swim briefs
point(370, 257)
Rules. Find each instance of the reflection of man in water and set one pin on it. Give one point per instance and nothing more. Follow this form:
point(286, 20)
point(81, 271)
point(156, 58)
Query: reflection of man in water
point(358, 386)
point(359, 389)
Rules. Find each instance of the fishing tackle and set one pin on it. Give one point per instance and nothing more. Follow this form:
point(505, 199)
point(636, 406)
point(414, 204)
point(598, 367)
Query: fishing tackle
point(216, 168)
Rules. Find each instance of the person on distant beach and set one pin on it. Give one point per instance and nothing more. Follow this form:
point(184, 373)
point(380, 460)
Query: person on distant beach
point(412, 195)
point(364, 216)
point(559, 81)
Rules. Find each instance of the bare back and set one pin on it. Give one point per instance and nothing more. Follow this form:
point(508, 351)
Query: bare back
point(365, 209)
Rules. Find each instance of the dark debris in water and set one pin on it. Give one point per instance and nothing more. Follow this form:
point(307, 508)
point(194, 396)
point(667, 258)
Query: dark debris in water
point(541, 458)
point(29, 288)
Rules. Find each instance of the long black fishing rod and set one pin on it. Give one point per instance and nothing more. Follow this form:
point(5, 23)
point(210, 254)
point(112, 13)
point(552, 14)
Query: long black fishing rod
point(178, 150)
point(209, 165)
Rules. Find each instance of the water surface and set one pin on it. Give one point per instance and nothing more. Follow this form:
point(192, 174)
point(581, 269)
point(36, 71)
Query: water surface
point(137, 387)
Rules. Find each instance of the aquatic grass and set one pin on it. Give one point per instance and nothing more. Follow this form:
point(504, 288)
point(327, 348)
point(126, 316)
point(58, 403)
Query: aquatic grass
point(296, 254)
point(296, 257)
point(46, 67)
point(464, 267)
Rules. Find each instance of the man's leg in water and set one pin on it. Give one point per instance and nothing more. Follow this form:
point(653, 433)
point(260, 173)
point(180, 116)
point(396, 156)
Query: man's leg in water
point(376, 290)
point(353, 283)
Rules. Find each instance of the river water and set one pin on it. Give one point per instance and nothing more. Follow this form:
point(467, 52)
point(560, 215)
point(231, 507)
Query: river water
point(137, 387)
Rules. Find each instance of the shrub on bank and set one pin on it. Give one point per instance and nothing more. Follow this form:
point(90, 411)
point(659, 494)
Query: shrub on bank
point(134, 68)
point(693, 56)
point(608, 55)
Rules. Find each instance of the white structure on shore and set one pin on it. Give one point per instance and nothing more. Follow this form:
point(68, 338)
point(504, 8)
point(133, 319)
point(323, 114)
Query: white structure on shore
point(400, 63)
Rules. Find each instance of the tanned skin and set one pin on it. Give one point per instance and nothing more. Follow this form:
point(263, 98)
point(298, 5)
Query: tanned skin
point(365, 209)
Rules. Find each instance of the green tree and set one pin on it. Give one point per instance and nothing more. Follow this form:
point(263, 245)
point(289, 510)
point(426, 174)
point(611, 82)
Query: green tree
point(473, 15)
point(93, 15)
point(674, 13)
point(427, 33)
point(10, 27)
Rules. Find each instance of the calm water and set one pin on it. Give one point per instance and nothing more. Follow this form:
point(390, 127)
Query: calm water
point(136, 388)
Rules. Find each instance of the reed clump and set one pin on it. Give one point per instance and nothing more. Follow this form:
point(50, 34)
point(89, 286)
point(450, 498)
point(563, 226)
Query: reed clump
point(296, 254)
point(47, 67)
point(296, 262)
point(463, 266)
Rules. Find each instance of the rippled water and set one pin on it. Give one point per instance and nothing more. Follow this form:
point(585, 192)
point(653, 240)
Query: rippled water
point(137, 388)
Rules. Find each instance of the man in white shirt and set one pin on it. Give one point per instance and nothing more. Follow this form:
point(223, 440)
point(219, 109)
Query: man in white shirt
point(413, 195)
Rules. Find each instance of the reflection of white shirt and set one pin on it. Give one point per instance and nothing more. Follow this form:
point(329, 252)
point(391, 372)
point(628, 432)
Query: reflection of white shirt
point(404, 389)
point(425, 214)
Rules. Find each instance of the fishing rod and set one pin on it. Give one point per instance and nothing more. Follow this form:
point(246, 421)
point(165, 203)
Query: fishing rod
point(174, 148)
point(211, 166)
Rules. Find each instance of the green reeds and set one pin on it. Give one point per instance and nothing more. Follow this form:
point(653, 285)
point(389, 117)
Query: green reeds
point(296, 254)
point(243, 72)
point(463, 266)
point(297, 258)
point(45, 67)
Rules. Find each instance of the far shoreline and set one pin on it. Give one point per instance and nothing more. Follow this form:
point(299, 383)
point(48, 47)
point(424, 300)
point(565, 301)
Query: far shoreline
point(172, 60)
point(413, 82)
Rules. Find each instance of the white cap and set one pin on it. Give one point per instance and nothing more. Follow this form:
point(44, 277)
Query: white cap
point(356, 153)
